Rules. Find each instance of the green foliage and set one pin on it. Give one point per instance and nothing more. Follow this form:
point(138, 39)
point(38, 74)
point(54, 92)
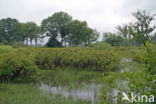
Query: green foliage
point(55, 25)
point(17, 67)
point(17, 44)
point(62, 20)
point(68, 76)
point(139, 56)
point(91, 36)
point(101, 46)
point(78, 31)
point(31, 31)
point(53, 42)
point(150, 66)
point(135, 33)
point(9, 30)
point(81, 34)
point(142, 27)
point(150, 57)
point(84, 58)
point(20, 64)
point(60, 25)
point(113, 39)
point(5, 49)
point(134, 81)
point(124, 31)
point(147, 56)
point(28, 94)
point(141, 80)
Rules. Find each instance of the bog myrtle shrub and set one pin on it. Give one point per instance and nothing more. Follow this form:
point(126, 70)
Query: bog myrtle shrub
point(101, 46)
point(150, 59)
point(17, 67)
point(5, 49)
point(22, 64)
point(99, 60)
point(138, 56)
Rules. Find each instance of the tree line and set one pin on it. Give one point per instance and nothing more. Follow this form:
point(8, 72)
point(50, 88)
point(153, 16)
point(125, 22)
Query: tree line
point(60, 27)
point(63, 30)
point(134, 33)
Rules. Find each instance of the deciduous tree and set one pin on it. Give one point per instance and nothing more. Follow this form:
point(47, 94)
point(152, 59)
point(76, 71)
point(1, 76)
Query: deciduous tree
point(143, 26)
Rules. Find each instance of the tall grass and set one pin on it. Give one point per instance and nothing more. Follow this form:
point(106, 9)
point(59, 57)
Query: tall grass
point(28, 94)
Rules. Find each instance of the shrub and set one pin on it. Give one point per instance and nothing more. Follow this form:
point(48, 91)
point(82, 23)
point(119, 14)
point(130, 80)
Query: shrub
point(147, 56)
point(5, 49)
point(17, 67)
point(138, 57)
point(77, 57)
point(17, 44)
point(101, 46)
point(150, 58)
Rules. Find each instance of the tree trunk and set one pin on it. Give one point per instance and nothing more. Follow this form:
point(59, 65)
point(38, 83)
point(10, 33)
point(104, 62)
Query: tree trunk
point(31, 42)
point(144, 43)
point(62, 41)
point(35, 42)
point(26, 41)
point(65, 43)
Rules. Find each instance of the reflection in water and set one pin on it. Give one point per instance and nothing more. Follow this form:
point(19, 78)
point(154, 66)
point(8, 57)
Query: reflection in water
point(88, 92)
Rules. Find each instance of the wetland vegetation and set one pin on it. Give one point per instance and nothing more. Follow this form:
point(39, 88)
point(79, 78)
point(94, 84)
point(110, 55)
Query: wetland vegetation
point(73, 67)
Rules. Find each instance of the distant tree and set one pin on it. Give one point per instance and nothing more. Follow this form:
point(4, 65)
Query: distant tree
point(142, 26)
point(153, 38)
point(2, 39)
point(48, 27)
point(90, 36)
point(53, 42)
point(30, 31)
point(9, 30)
point(113, 39)
point(38, 34)
point(76, 29)
point(22, 31)
point(56, 25)
point(62, 20)
point(80, 33)
point(124, 32)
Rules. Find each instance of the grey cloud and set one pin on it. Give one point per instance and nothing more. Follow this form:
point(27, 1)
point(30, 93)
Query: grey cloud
point(131, 6)
point(103, 15)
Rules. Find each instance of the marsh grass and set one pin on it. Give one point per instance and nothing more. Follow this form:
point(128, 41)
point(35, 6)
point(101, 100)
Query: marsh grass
point(68, 76)
point(30, 94)
point(5, 49)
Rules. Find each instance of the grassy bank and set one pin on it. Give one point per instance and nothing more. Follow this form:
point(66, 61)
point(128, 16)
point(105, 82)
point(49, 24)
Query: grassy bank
point(68, 76)
point(30, 94)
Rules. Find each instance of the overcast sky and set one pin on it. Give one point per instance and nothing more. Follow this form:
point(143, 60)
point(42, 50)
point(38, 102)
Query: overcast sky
point(103, 15)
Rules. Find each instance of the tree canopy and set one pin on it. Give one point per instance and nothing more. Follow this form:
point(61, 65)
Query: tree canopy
point(63, 30)
point(9, 30)
point(143, 26)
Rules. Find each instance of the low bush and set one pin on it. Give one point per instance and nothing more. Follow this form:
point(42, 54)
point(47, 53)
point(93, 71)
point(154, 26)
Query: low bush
point(21, 64)
point(101, 46)
point(99, 60)
point(17, 67)
point(5, 49)
point(138, 56)
point(147, 56)
point(17, 44)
